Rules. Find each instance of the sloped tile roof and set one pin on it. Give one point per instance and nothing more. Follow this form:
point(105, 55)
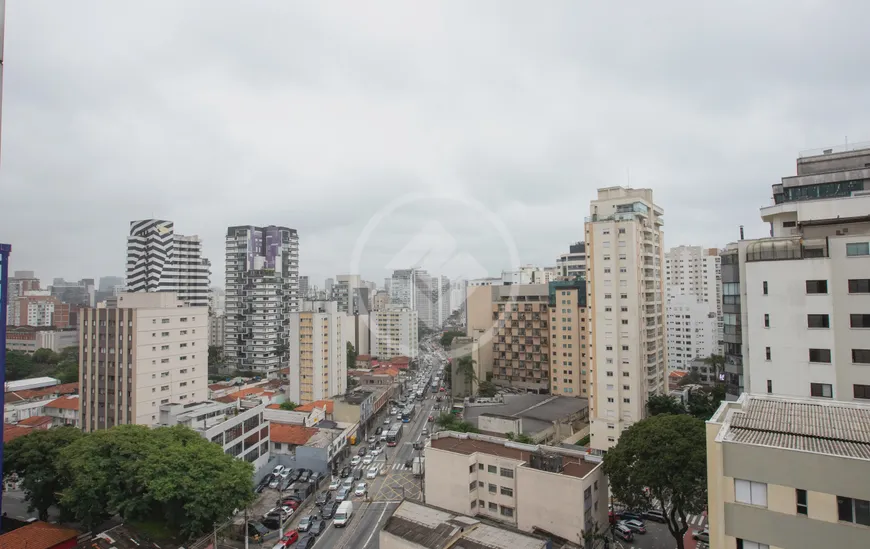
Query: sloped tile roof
point(37, 535)
point(290, 434)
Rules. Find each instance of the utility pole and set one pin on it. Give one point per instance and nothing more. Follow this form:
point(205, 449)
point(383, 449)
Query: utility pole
point(245, 534)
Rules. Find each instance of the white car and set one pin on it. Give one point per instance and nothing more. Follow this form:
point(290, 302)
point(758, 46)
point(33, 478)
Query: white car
point(368, 459)
point(373, 472)
point(355, 461)
point(361, 489)
point(278, 469)
point(376, 451)
point(335, 484)
point(387, 421)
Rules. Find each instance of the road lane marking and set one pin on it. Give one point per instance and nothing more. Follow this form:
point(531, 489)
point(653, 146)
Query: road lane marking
point(375, 529)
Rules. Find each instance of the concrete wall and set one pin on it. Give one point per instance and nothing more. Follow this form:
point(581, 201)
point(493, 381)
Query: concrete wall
point(499, 424)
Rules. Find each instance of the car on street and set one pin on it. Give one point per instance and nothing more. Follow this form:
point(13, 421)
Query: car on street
point(289, 539)
point(307, 542)
point(631, 515)
point(306, 522)
point(623, 532)
point(329, 509)
point(379, 430)
point(701, 535)
point(373, 472)
point(388, 420)
point(355, 461)
point(655, 515)
point(318, 527)
point(335, 484)
point(368, 459)
point(635, 526)
point(345, 472)
point(362, 451)
point(376, 451)
point(358, 473)
point(323, 498)
point(342, 494)
point(361, 489)
point(371, 439)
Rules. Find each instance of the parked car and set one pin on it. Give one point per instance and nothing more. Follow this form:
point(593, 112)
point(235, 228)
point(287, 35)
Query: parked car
point(264, 483)
point(316, 477)
point(289, 539)
point(631, 515)
point(622, 532)
point(335, 484)
point(318, 527)
point(655, 515)
point(361, 489)
point(323, 498)
point(702, 535)
point(635, 526)
point(287, 502)
point(275, 482)
point(307, 542)
point(329, 509)
point(272, 522)
point(306, 522)
point(278, 469)
point(306, 476)
point(345, 472)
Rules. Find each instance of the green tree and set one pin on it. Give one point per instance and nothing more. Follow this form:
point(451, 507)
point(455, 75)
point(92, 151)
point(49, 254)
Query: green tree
point(487, 389)
point(595, 537)
point(691, 378)
point(34, 459)
point(351, 356)
point(664, 404)
point(465, 368)
point(67, 369)
point(169, 475)
point(352, 382)
point(717, 364)
point(662, 460)
point(45, 356)
point(449, 422)
point(288, 405)
point(18, 365)
point(703, 403)
point(447, 337)
point(522, 438)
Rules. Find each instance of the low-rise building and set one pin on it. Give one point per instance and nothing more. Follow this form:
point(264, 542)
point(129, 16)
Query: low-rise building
point(363, 404)
point(238, 427)
point(788, 472)
point(20, 405)
point(542, 489)
point(27, 339)
point(285, 437)
point(64, 411)
point(546, 419)
point(413, 526)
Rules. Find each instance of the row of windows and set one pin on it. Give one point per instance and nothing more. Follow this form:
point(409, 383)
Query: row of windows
point(823, 356)
point(493, 488)
point(852, 510)
point(855, 285)
point(507, 473)
point(505, 510)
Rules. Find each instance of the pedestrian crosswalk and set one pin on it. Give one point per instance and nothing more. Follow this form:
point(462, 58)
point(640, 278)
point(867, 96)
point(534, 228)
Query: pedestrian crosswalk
point(397, 467)
point(696, 520)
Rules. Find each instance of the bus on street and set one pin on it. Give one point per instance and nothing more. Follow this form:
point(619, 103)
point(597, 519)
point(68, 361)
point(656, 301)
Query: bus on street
point(408, 414)
point(394, 434)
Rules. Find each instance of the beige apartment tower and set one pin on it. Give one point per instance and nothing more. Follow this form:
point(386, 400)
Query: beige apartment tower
point(626, 308)
point(569, 364)
point(318, 357)
point(521, 336)
point(139, 351)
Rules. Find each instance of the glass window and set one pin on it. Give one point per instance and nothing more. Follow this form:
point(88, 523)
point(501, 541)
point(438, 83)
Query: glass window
point(801, 500)
point(859, 321)
point(859, 286)
point(823, 390)
point(753, 493)
point(819, 321)
point(491, 469)
point(858, 249)
point(507, 473)
point(853, 510)
point(507, 511)
point(746, 544)
point(505, 491)
point(820, 355)
point(861, 391)
point(817, 286)
point(764, 287)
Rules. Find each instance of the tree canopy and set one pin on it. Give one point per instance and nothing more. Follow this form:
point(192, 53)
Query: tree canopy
point(450, 422)
point(701, 403)
point(43, 362)
point(487, 389)
point(662, 461)
point(664, 404)
point(447, 337)
point(170, 475)
point(288, 405)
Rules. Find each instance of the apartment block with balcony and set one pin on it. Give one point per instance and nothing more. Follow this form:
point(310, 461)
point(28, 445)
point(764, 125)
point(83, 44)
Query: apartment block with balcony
point(626, 296)
point(534, 488)
point(394, 333)
point(693, 280)
point(262, 289)
point(572, 264)
point(318, 356)
point(138, 352)
point(521, 336)
point(569, 363)
point(805, 291)
point(788, 473)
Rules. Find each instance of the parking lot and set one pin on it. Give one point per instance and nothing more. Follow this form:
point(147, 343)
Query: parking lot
point(658, 537)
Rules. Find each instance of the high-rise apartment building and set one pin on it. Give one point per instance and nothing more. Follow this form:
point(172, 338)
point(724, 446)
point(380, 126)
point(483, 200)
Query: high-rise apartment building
point(440, 300)
point(19, 283)
point(804, 292)
point(788, 472)
point(303, 287)
point(394, 333)
point(693, 284)
point(381, 301)
point(318, 357)
point(217, 330)
point(137, 352)
point(412, 288)
point(569, 364)
point(38, 308)
point(262, 289)
point(402, 288)
point(159, 260)
point(573, 263)
point(520, 336)
point(344, 291)
point(626, 308)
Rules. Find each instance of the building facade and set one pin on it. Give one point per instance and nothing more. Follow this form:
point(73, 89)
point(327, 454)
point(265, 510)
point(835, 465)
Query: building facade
point(816, 494)
point(303, 287)
point(138, 352)
point(625, 288)
point(543, 489)
point(318, 356)
point(697, 272)
point(394, 333)
point(38, 308)
point(262, 290)
point(344, 291)
point(568, 323)
point(27, 339)
point(18, 284)
point(521, 336)
point(573, 263)
point(692, 330)
point(159, 260)
point(217, 330)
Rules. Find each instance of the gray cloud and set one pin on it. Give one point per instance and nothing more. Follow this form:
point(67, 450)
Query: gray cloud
point(319, 115)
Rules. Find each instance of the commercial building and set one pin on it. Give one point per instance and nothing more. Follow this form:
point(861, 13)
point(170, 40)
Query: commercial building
point(693, 279)
point(569, 365)
point(804, 293)
point(262, 289)
point(159, 260)
point(788, 472)
point(573, 263)
point(625, 289)
point(237, 427)
point(217, 330)
point(137, 352)
point(521, 336)
point(394, 333)
point(413, 526)
point(76, 294)
point(318, 356)
point(692, 330)
point(38, 308)
point(27, 339)
point(542, 489)
point(18, 284)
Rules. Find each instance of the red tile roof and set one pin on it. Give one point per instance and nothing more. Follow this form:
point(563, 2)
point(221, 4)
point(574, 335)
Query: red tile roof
point(232, 397)
point(64, 403)
point(217, 386)
point(328, 404)
point(27, 394)
point(36, 422)
point(290, 434)
point(364, 358)
point(11, 432)
point(37, 535)
point(274, 406)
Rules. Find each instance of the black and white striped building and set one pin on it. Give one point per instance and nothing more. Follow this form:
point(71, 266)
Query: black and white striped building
point(159, 260)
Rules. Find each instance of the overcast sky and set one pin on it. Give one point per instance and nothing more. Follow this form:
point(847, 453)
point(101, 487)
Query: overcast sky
point(373, 128)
